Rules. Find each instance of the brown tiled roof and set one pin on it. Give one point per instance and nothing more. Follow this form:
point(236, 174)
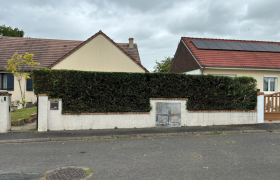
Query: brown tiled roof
point(237, 59)
point(48, 51)
point(92, 37)
point(133, 53)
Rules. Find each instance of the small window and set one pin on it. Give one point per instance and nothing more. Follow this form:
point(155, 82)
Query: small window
point(3, 81)
point(269, 84)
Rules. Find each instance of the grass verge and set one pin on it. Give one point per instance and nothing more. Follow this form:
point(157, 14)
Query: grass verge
point(23, 113)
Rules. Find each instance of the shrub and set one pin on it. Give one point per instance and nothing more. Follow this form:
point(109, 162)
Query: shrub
point(84, 91)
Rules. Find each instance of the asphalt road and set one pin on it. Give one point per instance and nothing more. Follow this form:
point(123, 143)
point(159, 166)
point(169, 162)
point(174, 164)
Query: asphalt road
point(242, 156)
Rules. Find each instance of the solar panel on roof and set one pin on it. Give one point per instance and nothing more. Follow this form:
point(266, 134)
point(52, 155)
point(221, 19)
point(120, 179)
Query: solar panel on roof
point(234, 46)
point(275, 46)
point(257, 47)
point(211, 45)
point(268, 47)
point(246, 46)
point(238, 46)
point(223, 45)
point(199, 44)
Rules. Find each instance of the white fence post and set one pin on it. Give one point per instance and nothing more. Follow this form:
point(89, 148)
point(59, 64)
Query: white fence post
point(42, 112)
point(5, 112)
point(260, 107)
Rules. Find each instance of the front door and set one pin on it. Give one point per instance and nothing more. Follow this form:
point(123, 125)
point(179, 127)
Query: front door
point(168, 114)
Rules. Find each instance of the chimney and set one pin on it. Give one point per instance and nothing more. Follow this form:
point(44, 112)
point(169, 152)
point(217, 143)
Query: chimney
point(130, 43)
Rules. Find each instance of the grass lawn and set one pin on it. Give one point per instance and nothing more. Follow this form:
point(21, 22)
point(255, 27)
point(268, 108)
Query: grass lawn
point(23, 113)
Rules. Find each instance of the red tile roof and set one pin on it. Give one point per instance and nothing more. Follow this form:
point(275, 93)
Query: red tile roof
point(49, 51)
point(229, 58)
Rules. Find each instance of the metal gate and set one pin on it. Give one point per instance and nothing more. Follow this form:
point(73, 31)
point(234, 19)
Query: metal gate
point(168, 114)
point(271, 106)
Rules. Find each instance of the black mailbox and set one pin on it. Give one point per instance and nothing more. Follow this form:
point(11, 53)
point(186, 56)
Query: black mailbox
point(54, 105)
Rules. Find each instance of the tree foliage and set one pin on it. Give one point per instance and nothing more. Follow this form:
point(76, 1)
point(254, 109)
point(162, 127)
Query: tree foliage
point(9, 31)
point(163, 65)
point(20, 65)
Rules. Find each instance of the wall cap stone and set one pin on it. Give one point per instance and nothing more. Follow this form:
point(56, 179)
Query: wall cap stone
point(260, 93)
point(5, 94)
point(222, 111)
point(168, 98)
point(42, 95)
point(106, 113)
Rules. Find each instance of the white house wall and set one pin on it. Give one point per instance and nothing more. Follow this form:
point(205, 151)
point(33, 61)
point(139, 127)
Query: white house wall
point(257, 74)
point(194, 72)
point(16, 95)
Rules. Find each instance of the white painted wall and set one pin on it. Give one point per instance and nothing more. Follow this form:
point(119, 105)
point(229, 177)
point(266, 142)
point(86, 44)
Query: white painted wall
point(194, 72)
point(260, 108)
point(55, 120)
point(58, 121)
point(43, 113)
point(5, 114)
point(219, 118)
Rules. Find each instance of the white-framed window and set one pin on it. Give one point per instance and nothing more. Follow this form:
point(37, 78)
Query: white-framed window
point(3, 81)
point(270, 83)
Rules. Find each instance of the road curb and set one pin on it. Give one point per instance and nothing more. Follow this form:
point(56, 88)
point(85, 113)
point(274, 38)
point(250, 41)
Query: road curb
point(108, 137)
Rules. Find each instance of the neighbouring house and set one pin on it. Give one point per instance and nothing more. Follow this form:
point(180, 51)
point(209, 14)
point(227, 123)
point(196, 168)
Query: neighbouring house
point(226, 57)
point(98, 53)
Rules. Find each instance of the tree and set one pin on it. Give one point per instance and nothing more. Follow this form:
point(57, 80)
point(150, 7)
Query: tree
point(163, 65)
point(20, 65)
point(9, 31)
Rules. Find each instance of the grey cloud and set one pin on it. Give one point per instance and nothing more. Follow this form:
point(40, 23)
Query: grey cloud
point(156, 25)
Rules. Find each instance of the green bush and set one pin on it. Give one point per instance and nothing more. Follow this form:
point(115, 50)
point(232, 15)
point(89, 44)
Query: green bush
point(84, 91)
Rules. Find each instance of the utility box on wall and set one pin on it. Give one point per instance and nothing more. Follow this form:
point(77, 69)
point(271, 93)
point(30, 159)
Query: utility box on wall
point(168, 114)
point(5, 112)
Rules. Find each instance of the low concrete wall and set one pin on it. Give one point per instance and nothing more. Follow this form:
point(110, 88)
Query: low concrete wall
point(204, 118)
point(58, 121)
point(55, 120)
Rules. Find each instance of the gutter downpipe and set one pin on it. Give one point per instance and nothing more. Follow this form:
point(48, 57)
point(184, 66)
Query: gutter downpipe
point(203, 70)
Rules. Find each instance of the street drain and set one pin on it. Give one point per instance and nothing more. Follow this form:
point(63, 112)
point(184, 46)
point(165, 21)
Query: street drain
point(70, 172)
point(66, 174)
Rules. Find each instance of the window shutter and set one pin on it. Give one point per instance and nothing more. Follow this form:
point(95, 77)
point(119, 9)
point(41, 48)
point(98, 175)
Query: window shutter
point(10, 82)
point(29, 84)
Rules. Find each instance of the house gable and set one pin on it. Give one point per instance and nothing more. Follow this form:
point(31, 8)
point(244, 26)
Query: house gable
point(99, 53)
point(183, 60)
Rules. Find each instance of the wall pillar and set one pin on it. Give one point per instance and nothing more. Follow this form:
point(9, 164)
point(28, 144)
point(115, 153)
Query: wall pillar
point(260, 107)
point(42, 112)
point(5, 112)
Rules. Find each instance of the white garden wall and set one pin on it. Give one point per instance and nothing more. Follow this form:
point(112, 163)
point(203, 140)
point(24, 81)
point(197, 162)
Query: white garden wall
point(211, 118)
point(54, 119)
point(5, 112)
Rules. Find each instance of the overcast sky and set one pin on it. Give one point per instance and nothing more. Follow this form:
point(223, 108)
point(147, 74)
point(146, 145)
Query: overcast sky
point(155, 25)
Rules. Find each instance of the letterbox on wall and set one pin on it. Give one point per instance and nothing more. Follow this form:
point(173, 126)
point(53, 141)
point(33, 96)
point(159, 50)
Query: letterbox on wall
point(54, 105)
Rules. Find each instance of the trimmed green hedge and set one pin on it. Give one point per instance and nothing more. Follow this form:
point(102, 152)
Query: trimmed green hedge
point(84, 91)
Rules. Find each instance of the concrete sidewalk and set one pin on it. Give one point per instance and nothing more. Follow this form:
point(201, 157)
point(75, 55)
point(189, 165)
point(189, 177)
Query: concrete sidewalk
point(34, 136)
